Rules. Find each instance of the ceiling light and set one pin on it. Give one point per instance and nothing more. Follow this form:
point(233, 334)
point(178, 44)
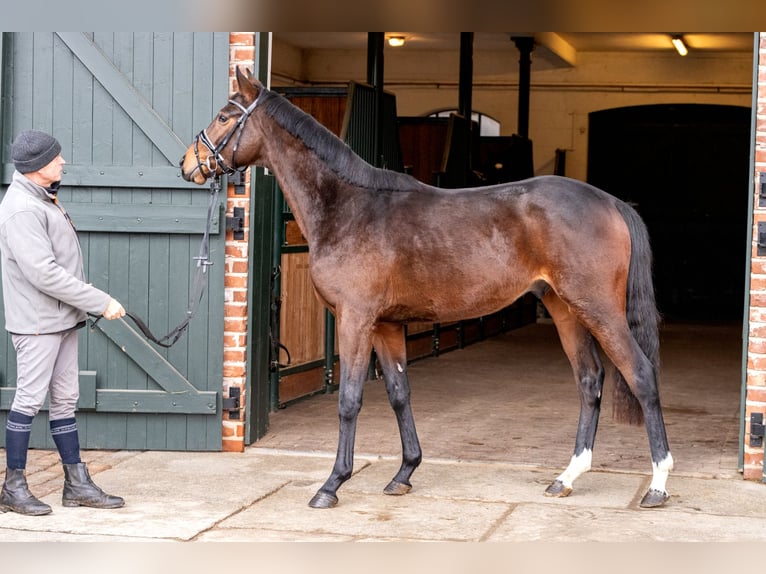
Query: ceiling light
point(396, 41)
point(680, 46)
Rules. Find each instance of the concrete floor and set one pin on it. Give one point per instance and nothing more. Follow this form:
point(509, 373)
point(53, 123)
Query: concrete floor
point(513, 399)
point(497, 424)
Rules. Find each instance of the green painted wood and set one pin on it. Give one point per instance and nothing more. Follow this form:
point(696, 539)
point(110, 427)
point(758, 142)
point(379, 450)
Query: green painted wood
point(132, 343)
point(129, 401)
point(116, 127)
point(4, 140)
point(126, 93)
point(141, 218)
point(264, 192)
point(62, 80)
point(42, 71)
point(6, 354)
point(87, 393)
point(87, 400)
point(114, 175)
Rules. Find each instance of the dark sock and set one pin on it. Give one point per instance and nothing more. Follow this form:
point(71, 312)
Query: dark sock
point(17, 431)
point(64, 433)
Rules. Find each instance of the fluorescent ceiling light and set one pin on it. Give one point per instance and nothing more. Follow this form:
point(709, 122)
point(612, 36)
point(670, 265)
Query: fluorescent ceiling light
point(680, 46)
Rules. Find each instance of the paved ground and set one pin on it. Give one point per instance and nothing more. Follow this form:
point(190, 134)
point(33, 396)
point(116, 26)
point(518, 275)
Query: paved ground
point(485, 468)
point(262, 495)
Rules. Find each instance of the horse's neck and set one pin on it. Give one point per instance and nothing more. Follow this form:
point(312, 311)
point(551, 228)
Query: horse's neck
point(310, 188)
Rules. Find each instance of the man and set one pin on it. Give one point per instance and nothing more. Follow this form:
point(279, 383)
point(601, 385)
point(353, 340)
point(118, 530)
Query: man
point(46, 299)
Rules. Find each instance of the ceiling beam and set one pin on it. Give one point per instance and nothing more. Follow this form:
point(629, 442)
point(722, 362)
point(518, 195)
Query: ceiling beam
point(557, 46)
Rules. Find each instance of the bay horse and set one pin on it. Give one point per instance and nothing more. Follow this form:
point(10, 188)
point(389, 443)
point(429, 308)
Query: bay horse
point(386, 249)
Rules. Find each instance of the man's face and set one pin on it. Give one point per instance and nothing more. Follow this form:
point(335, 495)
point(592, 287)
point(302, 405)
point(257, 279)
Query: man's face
point(51, 172)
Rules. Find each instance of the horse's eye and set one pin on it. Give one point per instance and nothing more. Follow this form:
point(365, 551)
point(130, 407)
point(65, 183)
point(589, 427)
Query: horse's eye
point(223, 119)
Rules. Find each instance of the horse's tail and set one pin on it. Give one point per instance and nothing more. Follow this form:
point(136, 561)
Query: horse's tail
point(642, 315)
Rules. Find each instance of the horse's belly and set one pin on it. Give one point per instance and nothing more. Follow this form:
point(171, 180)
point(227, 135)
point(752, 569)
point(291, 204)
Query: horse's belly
point(449, 303)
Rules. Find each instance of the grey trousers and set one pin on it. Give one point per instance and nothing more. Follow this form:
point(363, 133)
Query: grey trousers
point(46, 363)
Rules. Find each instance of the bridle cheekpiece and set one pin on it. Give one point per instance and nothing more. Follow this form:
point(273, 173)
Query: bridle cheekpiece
point(214, 158)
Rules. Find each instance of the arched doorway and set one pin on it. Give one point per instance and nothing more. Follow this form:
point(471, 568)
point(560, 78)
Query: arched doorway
point(685, 168)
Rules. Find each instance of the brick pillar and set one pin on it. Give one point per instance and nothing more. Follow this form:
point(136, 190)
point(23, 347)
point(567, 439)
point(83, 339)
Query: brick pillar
point(756, 351)
point(242, 53)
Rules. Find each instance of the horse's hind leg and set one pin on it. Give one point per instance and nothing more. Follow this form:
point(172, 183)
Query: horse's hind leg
point(390, 345)
point(581, 350)
point(640, 376)
point(614, 336)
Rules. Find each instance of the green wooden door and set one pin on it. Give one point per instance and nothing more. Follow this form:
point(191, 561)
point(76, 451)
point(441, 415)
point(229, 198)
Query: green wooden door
point(124, 107)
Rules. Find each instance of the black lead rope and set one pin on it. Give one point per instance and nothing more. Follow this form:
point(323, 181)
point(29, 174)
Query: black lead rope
point(200, 280)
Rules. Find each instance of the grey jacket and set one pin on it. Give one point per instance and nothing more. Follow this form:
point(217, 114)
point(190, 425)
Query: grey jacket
point(44, 288)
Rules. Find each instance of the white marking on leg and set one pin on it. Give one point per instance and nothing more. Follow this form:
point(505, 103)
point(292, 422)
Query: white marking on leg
point(399, 368)
point(577, 466)
point(660, 473)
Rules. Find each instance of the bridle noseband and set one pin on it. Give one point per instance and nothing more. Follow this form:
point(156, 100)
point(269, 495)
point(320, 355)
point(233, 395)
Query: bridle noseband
point(214, 160)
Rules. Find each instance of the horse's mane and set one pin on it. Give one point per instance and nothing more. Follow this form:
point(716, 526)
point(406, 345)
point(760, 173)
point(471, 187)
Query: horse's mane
point(335, 153)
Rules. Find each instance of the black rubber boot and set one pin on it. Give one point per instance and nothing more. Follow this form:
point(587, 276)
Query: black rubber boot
point(79, 489)
point(16, 497)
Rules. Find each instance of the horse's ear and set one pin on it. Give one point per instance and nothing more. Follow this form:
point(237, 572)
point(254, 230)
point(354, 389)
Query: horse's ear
point(247, 74)
point(248, 85)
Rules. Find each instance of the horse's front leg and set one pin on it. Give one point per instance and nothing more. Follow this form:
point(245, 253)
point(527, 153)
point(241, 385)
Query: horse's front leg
point(390, 345)
point(355, 351)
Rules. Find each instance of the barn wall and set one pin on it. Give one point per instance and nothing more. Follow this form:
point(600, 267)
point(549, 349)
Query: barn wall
point(561, 97)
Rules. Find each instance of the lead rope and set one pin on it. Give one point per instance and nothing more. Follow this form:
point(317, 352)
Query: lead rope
point(198, 287)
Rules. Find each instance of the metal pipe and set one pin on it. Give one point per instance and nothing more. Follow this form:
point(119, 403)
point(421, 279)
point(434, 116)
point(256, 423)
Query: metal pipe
point(465, 90)
point(525, 44)
point(375, 43)
point(465, 96)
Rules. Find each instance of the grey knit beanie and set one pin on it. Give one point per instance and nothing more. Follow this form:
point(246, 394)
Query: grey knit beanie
point(33, 150)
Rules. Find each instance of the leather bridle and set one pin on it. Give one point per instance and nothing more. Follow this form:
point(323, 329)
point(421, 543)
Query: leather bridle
point(214, 160)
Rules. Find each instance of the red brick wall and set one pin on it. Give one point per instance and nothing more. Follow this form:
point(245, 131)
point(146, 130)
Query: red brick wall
point(242, 52)
point(756, 352)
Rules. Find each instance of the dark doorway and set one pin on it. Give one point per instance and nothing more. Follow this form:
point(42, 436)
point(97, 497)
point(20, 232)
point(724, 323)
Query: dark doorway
point(685, 169)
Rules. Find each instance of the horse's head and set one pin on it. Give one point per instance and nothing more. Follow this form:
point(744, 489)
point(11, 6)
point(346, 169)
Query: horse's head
point(224, 147)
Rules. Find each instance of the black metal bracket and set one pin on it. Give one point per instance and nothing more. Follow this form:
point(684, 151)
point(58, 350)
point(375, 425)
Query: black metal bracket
point(762, 190)
point(761, 239)
point(237, 222)
point(756, 429)
point(232, 403)
point(238, 180)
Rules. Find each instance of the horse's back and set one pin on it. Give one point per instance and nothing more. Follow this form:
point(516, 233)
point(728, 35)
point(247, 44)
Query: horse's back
point(566, 194)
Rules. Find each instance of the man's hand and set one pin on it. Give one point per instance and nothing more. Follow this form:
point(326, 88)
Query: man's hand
point(114, 310)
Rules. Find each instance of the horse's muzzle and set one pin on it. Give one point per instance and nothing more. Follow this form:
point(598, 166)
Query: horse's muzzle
point(192, 170)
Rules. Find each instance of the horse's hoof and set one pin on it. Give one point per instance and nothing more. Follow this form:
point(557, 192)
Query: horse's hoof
point(558, 490)
point(397, 488)
point(654, 498)
point(323, 500)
